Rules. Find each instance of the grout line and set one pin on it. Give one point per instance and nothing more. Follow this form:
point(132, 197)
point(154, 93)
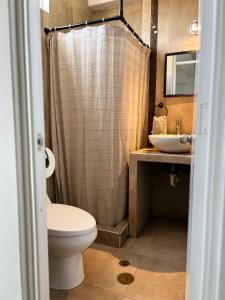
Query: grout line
point(128, 298)
point(129, 285)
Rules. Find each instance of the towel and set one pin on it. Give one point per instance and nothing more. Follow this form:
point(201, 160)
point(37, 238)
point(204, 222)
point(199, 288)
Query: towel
point(159, 125)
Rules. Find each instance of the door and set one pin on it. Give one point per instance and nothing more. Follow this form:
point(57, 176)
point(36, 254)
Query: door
point(23, 238)
point(205, 280)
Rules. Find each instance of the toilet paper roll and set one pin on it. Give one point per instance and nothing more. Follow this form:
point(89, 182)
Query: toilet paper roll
point(51, 165)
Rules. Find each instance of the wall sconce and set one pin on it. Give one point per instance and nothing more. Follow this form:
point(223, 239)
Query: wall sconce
point(194, 27)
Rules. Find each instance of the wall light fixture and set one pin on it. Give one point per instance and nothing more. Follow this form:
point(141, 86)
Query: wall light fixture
point(194, 29)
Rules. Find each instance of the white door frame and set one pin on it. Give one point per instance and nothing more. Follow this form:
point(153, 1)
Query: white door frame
point(206, 259)
point(23, 218)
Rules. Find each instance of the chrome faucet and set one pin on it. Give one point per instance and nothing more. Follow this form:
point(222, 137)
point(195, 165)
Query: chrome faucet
point(186, 139)
point(178, 126)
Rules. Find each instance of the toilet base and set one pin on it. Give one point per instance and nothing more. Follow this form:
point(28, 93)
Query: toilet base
point(65, 272)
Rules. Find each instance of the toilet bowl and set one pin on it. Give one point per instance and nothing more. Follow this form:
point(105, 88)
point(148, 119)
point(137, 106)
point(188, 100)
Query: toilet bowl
point(71, 230)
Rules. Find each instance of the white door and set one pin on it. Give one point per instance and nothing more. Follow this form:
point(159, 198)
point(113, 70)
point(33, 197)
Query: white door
point(206, 270)
point(23, 237)
point(10, 270)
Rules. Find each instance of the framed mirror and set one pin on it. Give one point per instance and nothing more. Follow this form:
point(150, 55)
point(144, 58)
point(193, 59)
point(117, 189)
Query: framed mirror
point(179, 74)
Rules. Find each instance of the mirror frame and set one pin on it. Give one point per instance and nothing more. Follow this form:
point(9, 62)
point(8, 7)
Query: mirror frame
point(165, 72)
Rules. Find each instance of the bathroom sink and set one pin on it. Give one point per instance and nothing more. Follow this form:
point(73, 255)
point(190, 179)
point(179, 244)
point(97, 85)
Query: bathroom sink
point(169, 143)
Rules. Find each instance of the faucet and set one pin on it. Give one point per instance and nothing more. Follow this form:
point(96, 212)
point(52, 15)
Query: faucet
point(178, 126)
point(186, 139)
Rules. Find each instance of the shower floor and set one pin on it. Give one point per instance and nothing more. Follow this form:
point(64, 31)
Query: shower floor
point(157, 262)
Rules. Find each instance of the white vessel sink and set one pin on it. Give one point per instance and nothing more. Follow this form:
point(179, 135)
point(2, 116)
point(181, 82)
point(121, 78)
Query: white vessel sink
point(169, 143)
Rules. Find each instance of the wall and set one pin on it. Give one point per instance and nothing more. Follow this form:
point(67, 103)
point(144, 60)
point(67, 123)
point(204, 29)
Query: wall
point(146, 20)
point(132, 12)
point(137, 13)
point(175, 17)
point(65, 12)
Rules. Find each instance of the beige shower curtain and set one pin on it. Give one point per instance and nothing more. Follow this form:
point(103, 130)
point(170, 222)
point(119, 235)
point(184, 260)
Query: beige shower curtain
point(98, 107)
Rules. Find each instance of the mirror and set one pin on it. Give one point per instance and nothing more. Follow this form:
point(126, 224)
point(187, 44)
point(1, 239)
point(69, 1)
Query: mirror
point(179, 74)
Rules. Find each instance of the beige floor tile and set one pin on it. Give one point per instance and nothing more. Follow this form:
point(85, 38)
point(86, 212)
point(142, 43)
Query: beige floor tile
point(102, 267)
point(158, 280)
point(120, 254)
point(57, 295)
point(140, 245)
point(157, 260)
point(88, 292)
point(162, 239)
point(168, 245)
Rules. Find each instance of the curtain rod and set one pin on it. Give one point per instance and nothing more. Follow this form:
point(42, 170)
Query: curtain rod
point(116, 18)
point(120, 17)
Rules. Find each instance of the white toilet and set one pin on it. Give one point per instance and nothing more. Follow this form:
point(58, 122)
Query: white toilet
point(70, 231)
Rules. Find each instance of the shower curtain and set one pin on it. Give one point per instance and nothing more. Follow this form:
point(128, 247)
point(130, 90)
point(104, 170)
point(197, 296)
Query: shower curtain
point(98, 107)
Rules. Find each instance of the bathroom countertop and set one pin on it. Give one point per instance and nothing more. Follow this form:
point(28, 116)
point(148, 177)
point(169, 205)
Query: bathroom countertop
point(154, 155)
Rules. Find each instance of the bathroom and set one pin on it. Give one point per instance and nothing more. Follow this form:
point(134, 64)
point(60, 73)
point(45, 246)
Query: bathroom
point(140, 247)
point(89, 209)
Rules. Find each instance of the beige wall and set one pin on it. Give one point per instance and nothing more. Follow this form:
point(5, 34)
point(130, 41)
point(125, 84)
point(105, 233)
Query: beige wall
point(146, 20)
point(175, 17)
point(132, 12)
point(64, 12)
point(137, 13)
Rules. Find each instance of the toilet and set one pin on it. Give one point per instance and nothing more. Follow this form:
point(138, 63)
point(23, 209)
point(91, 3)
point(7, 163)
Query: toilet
point(71, 230)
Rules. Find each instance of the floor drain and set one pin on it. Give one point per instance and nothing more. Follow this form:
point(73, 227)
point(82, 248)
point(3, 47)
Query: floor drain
point(125, 278)
point(124, 263)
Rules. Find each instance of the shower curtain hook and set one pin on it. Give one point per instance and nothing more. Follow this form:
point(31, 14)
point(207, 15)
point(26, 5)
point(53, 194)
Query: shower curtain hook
point(70, 27)
point(103, 20)
point(55, 29)
point(86, 22)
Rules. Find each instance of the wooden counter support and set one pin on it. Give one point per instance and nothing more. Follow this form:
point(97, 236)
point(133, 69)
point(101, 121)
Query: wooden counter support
point(138, 208)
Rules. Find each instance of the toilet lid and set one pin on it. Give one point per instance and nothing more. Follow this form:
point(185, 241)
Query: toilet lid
point(66, 220)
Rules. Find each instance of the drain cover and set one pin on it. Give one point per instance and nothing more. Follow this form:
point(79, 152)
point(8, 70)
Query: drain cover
point(125, 278)
point(124, 263)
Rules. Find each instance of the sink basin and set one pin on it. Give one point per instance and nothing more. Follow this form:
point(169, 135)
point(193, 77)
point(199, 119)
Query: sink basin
point(169, 143)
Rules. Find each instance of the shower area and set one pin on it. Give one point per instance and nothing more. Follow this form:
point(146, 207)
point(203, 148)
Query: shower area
point(96, 113)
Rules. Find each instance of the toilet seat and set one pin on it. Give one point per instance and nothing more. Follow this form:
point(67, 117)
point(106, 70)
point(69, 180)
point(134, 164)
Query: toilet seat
point(66, 220)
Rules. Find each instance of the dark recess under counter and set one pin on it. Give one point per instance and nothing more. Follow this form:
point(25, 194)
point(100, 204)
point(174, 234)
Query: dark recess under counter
point(150, 193)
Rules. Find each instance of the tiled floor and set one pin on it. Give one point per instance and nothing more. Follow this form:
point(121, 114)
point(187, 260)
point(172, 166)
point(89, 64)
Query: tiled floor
point(157, 261)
